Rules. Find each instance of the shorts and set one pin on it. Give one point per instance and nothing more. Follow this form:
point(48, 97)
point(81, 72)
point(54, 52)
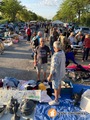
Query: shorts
point(41, 66)
point(56, 83)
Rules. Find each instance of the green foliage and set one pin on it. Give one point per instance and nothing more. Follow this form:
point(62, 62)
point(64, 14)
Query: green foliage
point(1, 17)
point(14, 11)
point(74, 10)
point(23, 15)
point(3, 21)
point(10, 8)
point(85, 19)
point(40, 18)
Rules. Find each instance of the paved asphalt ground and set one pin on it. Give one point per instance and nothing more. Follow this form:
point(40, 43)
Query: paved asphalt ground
point(17, 62)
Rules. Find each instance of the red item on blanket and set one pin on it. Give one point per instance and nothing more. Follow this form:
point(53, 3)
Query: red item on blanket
point(75, 67)
point(15, 41)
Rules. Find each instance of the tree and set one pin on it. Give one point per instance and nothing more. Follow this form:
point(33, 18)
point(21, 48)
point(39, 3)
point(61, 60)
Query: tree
point(10, 8)
point(71, 10)
point(65, 12)
point(23, 15)
point(13, 11)
point(40, 18)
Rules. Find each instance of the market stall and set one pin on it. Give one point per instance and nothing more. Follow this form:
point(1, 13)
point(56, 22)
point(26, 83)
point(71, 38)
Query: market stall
point(33, 104)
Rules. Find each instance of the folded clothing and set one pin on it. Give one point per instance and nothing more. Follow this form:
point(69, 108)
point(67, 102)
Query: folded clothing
point(11, 82)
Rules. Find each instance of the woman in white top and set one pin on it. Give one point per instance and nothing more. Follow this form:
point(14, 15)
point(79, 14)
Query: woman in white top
point(72, 39)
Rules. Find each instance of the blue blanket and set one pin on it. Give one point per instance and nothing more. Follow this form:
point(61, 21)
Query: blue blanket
point(64, 111)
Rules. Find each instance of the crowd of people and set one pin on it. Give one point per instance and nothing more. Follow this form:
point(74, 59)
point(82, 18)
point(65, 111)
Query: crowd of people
point(56, 42)
point(65, 36)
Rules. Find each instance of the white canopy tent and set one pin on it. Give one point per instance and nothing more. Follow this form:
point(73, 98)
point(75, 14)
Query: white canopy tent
point(57, 22)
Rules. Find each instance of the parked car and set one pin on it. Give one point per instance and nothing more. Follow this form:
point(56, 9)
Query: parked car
point(83, 30)
point(2, 30)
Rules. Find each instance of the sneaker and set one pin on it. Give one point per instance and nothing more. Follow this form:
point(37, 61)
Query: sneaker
point(53, 102)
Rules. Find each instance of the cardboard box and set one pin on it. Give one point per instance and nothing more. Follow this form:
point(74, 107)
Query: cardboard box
point(85, 101)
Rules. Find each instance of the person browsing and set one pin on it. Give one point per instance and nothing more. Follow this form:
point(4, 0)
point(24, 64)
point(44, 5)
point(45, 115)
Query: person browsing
point(57, 71)
point(41, 58)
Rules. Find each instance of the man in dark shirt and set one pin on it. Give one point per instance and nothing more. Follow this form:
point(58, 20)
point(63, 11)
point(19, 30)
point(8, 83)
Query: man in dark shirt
point(41, 58)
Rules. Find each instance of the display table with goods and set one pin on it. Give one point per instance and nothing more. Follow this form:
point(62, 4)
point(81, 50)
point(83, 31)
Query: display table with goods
point(22, 103)
point(17, 104)
point(78, 72)
point(67, 109)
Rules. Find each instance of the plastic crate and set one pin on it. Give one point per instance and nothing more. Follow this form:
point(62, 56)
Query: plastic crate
point(67, 91)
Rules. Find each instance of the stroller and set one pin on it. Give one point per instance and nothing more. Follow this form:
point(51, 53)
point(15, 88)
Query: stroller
point(78, 72)
point(1, 47)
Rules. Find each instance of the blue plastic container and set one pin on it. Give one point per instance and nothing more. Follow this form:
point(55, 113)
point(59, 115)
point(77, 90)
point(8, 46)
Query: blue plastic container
point(67, 91)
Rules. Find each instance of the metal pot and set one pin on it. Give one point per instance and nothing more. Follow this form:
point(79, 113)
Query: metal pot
point(27, 107)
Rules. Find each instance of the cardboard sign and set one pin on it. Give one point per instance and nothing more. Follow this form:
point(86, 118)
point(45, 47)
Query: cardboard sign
point(33, 95)
point(5, 95)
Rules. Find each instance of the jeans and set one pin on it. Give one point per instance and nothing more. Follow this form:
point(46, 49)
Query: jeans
point(52, 50)
point(28, 38)
point(86, 53)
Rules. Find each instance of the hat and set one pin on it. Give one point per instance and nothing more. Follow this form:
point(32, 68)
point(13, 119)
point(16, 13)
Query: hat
point(41, 86)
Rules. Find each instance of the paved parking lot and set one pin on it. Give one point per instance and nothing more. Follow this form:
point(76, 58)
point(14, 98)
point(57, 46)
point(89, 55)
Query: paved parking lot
point(17, 62)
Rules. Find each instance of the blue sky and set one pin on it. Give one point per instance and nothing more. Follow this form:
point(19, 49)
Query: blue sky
point(44, 8)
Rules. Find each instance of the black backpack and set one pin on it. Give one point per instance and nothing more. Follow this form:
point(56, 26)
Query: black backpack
point(35, 42)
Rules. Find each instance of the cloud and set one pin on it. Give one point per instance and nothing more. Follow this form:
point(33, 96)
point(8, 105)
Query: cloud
point(49, 2)
point(46, 8)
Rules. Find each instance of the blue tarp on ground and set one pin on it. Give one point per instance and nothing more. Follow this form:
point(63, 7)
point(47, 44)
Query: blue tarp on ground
point(71, 112)
point(78, 87)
